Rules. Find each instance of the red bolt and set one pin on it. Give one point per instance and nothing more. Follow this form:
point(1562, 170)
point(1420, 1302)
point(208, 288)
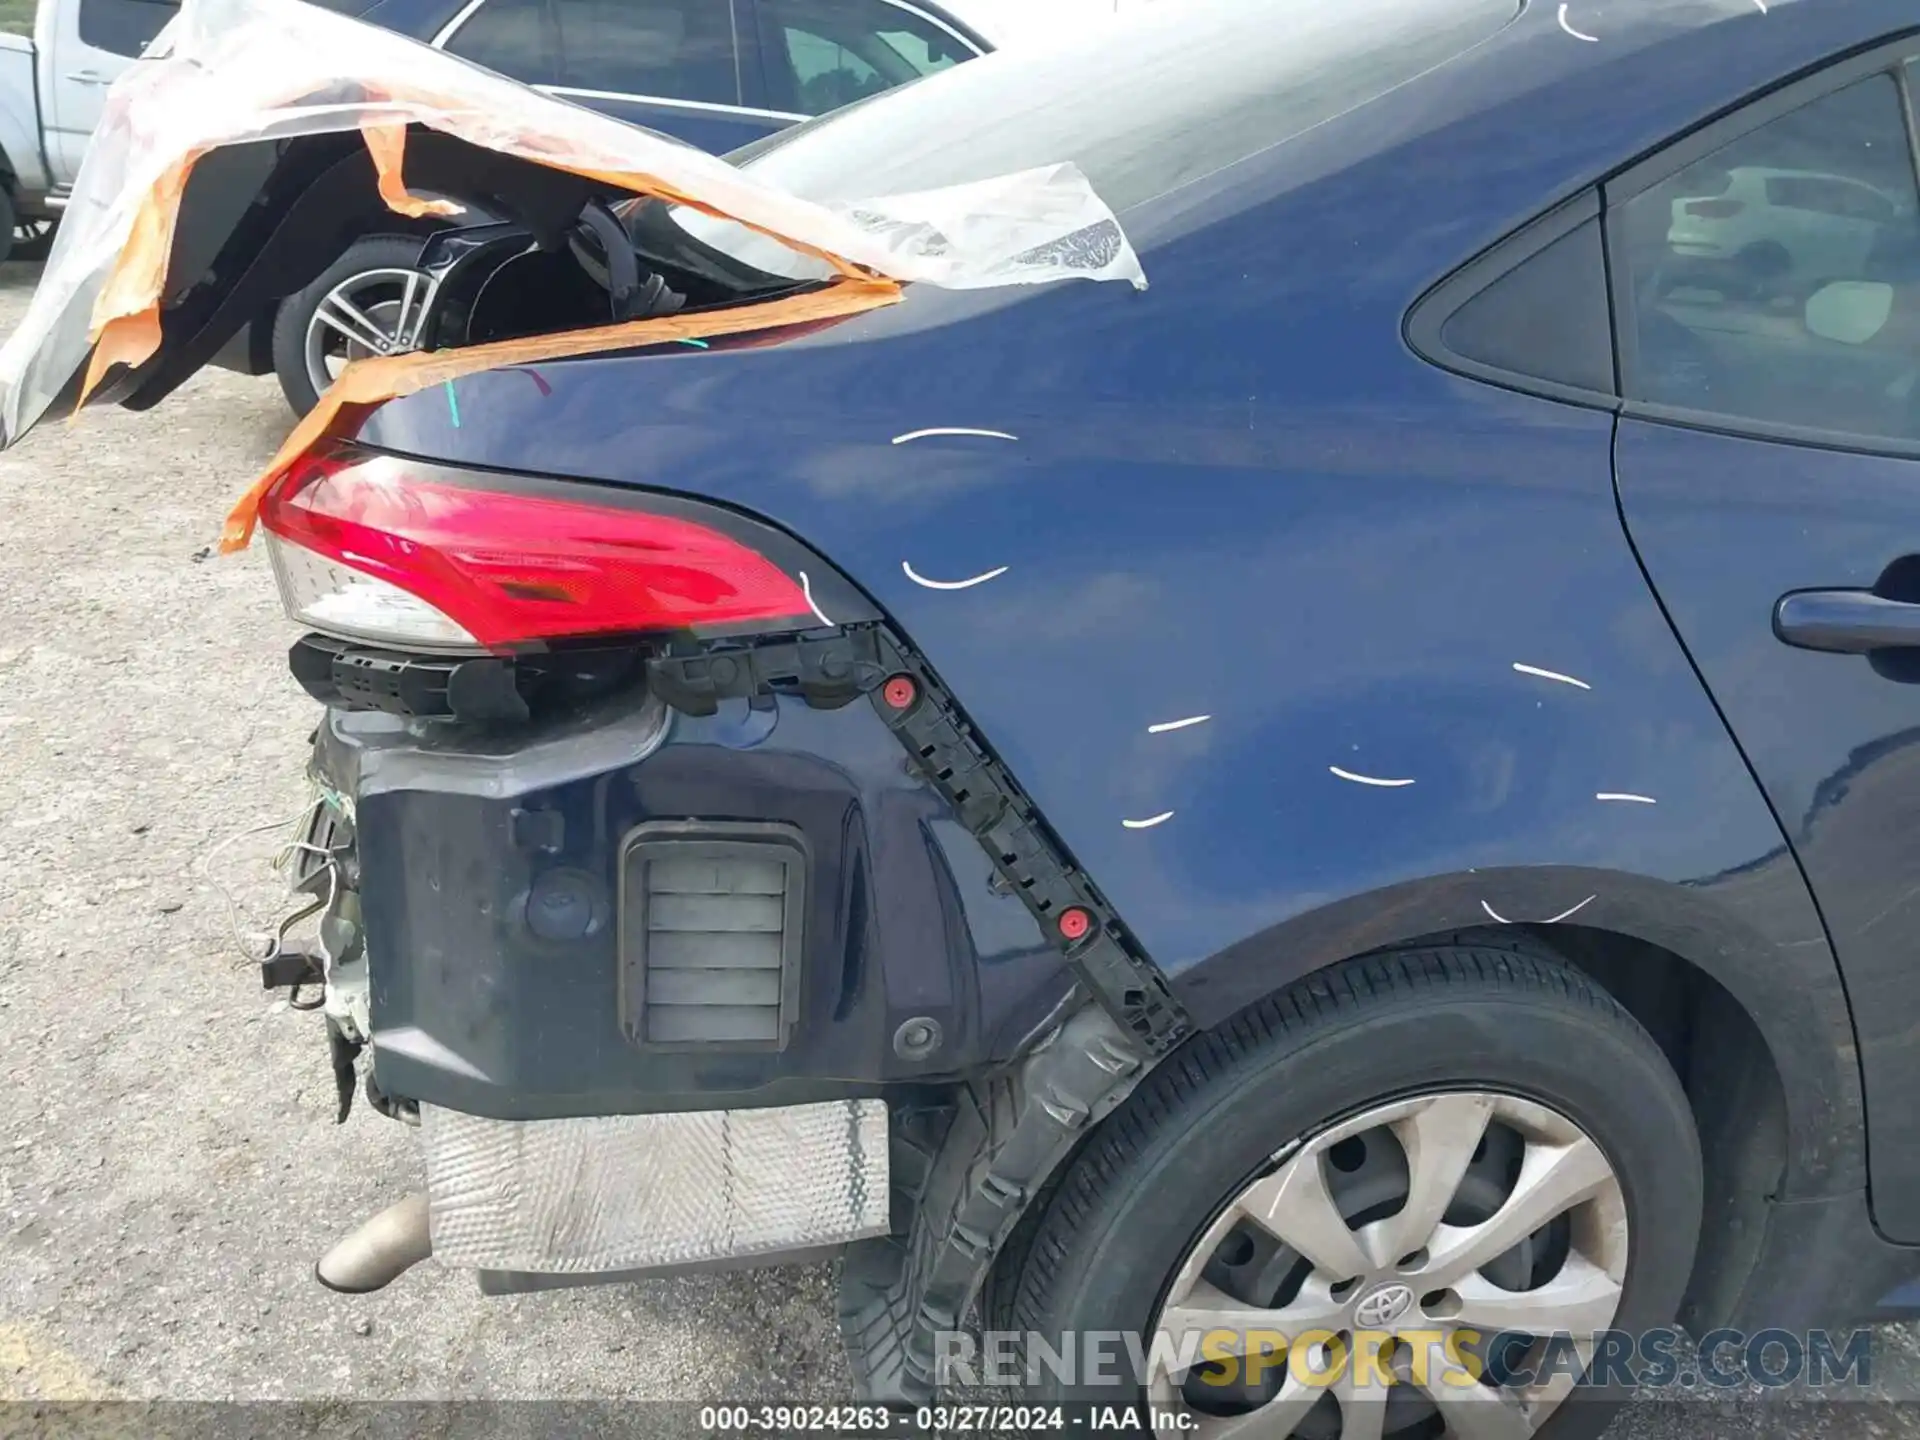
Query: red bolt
point(1075, 923)
point(899, 692)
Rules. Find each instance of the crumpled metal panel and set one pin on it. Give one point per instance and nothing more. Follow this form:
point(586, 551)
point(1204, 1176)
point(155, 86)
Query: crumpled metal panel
point(624, 1192)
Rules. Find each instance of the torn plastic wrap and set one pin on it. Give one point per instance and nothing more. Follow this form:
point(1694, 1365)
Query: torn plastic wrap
point(226, 72)
point(368, 382)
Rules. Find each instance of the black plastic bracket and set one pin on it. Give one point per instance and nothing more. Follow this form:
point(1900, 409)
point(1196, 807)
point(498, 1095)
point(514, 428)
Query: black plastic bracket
point(964, 1174)
point(480, 689)
point(1027, 855)
point(831, 670)
point(826, 671)
point(962, 1179)
point(290, 970)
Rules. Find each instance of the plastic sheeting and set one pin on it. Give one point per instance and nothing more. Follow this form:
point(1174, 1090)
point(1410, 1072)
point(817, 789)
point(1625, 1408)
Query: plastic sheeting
point(228, 71)
point(368, 382)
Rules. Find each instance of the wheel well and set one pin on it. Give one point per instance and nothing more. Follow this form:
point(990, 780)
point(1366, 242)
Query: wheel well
point(1727, 1071)
point(379, 221)
point(1725, 1068)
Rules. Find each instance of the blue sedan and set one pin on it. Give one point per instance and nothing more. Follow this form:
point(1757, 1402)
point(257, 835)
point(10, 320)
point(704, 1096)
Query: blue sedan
point(1352, 817)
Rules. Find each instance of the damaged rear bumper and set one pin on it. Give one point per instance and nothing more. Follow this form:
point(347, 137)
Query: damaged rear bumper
point(925, 1060)
point(628, 911)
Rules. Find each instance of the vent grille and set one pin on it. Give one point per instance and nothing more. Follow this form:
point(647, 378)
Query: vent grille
point(710, 931)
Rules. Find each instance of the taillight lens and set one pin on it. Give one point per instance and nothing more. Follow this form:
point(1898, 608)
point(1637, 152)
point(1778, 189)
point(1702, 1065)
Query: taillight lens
point(1715, 209)
point(373, 549)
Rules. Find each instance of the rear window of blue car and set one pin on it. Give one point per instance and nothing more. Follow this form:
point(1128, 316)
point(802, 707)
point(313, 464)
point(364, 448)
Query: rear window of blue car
point(1163, 93)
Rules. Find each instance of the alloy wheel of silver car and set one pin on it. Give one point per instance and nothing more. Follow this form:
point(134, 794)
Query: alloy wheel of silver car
point(1425, 1232)
point(375, 312)
point(32, 239)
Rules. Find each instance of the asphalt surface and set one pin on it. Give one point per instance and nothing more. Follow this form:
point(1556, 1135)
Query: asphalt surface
point(169, 1163)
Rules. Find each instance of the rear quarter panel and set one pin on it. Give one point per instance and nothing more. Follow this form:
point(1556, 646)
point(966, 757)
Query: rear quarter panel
point(1239, 495)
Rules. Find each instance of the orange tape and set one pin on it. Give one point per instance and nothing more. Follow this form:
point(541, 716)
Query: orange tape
point(388, 146)
point(126, 314)
point(366, 383)
point(125, 340)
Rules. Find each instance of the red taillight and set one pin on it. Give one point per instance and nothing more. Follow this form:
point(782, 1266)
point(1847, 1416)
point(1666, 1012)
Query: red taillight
point(1715, 209)
point(395, 554)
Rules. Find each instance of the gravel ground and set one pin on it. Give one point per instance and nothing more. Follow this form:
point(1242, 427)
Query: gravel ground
point(169, 1165)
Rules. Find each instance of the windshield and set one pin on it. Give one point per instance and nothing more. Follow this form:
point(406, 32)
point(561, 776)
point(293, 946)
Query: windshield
point(1142, 102)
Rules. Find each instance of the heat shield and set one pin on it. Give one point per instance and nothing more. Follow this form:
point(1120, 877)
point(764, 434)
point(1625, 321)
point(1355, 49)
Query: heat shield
point(629, 1192)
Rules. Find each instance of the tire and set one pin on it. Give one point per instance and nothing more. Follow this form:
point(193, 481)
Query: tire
point(1517, 1029)
point(8, 218)
point(373, 256)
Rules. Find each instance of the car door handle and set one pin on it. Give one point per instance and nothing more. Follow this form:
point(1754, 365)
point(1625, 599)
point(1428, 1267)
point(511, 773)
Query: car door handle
point(88, 77)
point(1849, 622)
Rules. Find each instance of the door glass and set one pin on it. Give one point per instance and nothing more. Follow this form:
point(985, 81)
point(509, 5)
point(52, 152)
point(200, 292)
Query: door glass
point(840, 51)
point(123, 27)
point(926, 49)
point(1778, 279)
point(514, 37)
point(673, 49)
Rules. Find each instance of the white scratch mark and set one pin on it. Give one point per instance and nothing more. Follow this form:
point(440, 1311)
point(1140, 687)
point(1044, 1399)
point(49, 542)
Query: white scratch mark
point(1573, 32)
point(1365, 779)
point(1618, 795)
point(952, 430)
point(1554, 921)
point(1762, 4)
point(1576, 910)
point(1165, 725)
point(806, 589)
point(951, 584)
point(1550, 675)
point(1149, 822)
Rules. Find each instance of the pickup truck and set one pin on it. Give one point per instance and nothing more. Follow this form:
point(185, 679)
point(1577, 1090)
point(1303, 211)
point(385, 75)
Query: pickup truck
point(51, 89)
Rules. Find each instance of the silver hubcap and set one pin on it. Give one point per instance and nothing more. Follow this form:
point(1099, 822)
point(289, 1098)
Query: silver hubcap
point(377, 312)
point(1365, 1277)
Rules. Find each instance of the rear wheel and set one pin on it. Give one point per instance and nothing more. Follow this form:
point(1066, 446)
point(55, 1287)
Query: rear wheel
point(1471, 1143)
point(371, 301)
point(32, 239)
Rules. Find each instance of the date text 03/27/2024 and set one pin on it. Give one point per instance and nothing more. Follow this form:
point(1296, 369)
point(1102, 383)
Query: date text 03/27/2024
point(939, 1419)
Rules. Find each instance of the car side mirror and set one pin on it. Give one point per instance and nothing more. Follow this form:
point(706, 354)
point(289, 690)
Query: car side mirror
point(1849, 312)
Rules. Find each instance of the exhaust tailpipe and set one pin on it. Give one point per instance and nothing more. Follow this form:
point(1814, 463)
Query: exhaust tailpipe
point(376, 1253)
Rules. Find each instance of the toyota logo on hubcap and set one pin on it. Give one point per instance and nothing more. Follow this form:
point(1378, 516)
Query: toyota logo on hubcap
point(1383, 1306)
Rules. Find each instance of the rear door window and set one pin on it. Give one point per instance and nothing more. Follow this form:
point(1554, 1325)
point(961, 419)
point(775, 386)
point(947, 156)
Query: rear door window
point(1777, 279)
point(664, 49)
point(123, 27)
point(515, 37)
point(1823, 195)
point(826, 54)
